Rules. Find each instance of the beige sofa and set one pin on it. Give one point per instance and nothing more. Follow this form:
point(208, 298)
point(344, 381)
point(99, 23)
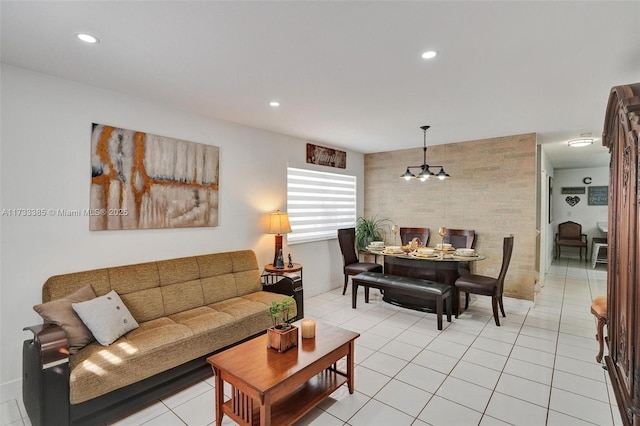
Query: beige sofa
point(186, 308)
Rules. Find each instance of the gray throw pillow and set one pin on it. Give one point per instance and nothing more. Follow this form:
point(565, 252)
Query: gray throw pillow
point(107, 317)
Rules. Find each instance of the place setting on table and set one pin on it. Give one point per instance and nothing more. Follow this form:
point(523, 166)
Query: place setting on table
point(376, 247)
point(439, 252)
point(415, 249)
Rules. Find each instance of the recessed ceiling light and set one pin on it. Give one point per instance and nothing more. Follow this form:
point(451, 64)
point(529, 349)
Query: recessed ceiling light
point(274, 104)
point(87, 38)
point(429, 54)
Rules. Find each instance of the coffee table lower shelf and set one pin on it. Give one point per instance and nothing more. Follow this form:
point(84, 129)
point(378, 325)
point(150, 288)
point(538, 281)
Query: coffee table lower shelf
point(289, 409)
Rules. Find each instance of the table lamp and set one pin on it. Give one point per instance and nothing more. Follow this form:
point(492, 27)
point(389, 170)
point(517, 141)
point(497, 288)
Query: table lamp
point(278, 224)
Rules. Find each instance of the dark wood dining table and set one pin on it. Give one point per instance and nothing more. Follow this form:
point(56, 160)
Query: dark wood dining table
point(435, 268)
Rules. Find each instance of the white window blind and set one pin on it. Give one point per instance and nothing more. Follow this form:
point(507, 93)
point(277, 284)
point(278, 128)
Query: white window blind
point(319, 203)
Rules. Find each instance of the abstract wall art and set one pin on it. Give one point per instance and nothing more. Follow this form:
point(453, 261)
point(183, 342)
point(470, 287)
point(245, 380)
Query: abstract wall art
point(145, 181)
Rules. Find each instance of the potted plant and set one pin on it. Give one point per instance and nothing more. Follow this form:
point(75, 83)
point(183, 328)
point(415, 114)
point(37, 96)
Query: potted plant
point(281, 313)
point(282, 335)
point(368, 230)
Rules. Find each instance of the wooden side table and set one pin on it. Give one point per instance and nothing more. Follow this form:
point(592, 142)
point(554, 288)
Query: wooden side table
point(282, 271)
point(272, 281)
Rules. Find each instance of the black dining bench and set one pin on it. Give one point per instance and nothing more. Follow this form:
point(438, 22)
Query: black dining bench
point(424, 289)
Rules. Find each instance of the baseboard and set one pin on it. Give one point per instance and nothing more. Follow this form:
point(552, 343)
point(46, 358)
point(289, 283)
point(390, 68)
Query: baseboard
point(11, 390)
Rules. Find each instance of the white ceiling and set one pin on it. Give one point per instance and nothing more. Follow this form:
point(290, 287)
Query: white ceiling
point(349, 74)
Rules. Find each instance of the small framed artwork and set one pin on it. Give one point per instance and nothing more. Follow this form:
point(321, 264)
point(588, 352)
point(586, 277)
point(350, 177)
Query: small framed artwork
point(573, 190)
point(324, 156)
point(598, 196)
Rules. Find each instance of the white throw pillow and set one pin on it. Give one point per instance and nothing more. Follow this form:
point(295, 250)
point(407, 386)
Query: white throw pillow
point(106, 316)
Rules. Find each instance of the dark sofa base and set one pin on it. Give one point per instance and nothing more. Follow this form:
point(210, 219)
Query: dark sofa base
point(55, 410)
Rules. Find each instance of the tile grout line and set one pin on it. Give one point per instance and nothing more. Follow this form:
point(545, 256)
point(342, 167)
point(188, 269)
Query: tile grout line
point(611, 405)
point(555, 355)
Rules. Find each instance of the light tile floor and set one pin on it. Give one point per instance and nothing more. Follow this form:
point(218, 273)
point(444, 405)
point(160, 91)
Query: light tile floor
point(537, 368)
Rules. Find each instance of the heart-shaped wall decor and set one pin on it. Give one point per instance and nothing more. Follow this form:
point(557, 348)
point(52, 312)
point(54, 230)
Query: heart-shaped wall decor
point(572, 201)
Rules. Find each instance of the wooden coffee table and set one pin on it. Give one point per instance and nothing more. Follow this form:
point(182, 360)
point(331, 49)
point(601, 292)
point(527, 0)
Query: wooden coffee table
point(279, 388)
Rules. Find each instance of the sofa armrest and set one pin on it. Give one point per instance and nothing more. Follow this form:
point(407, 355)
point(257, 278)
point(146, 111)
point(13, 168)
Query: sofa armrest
point(284, 285)
point(45, 376)
point(52, 343)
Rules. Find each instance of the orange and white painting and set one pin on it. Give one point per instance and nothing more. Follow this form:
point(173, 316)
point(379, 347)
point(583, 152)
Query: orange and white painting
point(145, 181)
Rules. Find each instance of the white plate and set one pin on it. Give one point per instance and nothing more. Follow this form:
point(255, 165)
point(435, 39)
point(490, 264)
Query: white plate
point(466, 255)
point(424, 255)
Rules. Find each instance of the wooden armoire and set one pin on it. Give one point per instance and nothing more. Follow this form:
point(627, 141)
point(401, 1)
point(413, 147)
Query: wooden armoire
point(621, 136)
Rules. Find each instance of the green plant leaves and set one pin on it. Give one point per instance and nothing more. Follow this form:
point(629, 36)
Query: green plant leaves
point(368, 230)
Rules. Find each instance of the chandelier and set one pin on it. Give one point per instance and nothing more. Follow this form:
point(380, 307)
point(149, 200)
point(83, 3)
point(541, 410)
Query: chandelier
point(425, 173)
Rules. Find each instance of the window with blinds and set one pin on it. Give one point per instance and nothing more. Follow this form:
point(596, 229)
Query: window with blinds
point(319, 203)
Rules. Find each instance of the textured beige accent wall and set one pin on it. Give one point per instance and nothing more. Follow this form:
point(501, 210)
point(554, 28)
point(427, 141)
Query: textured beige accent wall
point(492, 190)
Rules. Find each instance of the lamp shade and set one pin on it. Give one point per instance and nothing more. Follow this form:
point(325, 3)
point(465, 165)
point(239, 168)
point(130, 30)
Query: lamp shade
point(279, 223)
point(442, 174)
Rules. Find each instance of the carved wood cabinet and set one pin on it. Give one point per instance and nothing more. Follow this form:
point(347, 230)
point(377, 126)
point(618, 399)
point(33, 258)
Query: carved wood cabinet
point(621, 135)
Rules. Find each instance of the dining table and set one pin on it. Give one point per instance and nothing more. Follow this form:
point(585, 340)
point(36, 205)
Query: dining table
point(443, 267)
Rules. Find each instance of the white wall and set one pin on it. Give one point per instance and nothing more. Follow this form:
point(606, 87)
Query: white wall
point(581, 213)
point(45, 147)
point(546, 228)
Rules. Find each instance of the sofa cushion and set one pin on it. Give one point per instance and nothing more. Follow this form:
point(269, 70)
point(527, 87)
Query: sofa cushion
point(201, 320)
point(218, 288)
point(130, 278)
point(211, 265)
point(266, 297)
point(178, 270)
point(244, 260)
point(240, 308)
point(155, 346)
point(182, 296)
point(161, 344)
point(145, 305)
point(248, 281)
point(157, 333)
point(61, 312)
point(60, 286)
point(106, 316)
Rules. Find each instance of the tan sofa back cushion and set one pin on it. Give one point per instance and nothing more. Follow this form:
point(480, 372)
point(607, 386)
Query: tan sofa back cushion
point(156, 289)
point(241, 265)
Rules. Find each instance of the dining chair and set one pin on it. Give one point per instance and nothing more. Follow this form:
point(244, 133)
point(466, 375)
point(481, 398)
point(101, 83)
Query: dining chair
point(408, 234)
point(488, 286)
point(352, 265)
point(460, 238)
point(570, 235)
